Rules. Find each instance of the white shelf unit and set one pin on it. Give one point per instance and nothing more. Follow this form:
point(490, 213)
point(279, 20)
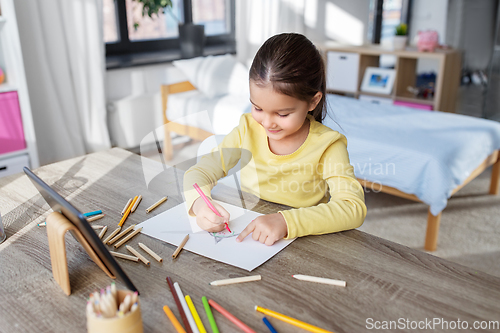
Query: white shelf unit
point(11, 62)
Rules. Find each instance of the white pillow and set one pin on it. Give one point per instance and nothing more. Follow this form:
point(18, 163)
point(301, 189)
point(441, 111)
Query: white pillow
point(215, 76)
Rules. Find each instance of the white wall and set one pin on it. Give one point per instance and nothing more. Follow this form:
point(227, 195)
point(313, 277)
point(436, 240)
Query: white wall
point(428, 15)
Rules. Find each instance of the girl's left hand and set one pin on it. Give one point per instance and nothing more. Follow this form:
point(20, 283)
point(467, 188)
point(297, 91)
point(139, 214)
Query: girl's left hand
point(267, 229)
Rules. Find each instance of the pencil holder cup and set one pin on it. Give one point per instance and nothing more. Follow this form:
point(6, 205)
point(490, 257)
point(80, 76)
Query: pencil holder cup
point(131, 322)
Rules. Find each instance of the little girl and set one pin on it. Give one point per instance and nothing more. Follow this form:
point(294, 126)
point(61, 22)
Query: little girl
point(297, 161)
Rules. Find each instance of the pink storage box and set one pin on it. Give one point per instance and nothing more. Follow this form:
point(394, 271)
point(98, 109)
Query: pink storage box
point(11, 124)
point(414, 105)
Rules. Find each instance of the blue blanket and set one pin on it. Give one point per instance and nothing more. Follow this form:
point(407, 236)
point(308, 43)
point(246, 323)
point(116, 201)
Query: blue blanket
point(425, 153)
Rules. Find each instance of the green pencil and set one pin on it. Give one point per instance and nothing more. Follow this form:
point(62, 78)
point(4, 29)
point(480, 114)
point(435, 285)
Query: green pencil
point(209, 315)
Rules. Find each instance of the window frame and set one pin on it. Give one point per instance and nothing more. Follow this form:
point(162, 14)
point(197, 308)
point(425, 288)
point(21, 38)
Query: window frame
point(378, 10)
point(125, 47)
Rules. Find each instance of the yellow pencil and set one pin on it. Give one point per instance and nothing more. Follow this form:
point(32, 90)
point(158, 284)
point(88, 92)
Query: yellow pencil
point(174, 320)
point(195, 314)
point(292, 321)
point(127, 212)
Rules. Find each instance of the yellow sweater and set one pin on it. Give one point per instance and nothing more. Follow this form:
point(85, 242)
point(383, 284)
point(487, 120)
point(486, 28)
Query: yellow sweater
point(317, 179)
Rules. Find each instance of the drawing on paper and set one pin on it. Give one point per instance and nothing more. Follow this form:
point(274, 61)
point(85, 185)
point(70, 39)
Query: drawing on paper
point(218, 236)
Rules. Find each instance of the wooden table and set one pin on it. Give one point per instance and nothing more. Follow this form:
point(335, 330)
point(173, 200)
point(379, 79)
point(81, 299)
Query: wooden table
point(385, 281)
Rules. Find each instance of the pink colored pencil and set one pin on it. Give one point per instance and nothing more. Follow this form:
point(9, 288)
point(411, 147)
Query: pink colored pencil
point(232, 318)
point(198, 189)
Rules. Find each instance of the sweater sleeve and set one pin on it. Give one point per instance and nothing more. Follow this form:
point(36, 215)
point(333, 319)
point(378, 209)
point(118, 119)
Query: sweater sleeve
point(346, 208)
point(214, 165)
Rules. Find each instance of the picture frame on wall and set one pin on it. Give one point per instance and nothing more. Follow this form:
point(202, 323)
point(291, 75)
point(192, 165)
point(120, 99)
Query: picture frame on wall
point(378, 80)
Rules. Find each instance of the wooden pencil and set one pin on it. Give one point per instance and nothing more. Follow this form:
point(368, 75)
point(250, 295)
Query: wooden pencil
point(173, 320)
point(179, 305)
point(137, 254)
point(124, 217)
point(150, 252)
point(182, 299)
point(126, 206)
point(181, 245)
point(117, 230)
point(127, 238)
point(231, 317)
point(236, 280)
point(121, 234)
point(194, 313)
point(159, 202)
point(95, 217)
point(139, 198)
point(290, 320)
point(333, 282)
point(97, 227)
point(103, 231)
point(124, 256)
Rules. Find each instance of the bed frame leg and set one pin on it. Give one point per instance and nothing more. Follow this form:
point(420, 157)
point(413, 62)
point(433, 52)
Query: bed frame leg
point(431, 236)
point(495, 176)
point(168, 150)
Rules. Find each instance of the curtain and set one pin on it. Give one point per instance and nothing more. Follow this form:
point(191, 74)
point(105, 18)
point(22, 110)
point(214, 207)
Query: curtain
point(257, 20)
point(64, 58)
point(344, 21)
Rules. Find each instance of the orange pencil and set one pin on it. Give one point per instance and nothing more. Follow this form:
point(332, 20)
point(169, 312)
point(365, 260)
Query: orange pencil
point(124, 217)
point(174, 320)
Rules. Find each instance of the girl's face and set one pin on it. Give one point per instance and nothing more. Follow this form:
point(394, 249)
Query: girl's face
point(281, 115)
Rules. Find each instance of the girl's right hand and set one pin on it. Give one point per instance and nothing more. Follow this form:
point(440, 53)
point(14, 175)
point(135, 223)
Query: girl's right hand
point(207, 219)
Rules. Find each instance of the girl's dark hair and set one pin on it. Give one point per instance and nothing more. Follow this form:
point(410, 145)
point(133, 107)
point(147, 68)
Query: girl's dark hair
point(294, 67)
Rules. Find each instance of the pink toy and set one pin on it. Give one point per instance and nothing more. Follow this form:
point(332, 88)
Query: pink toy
point(427, 40)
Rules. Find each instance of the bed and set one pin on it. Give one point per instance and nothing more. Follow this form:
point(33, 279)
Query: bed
point(418, 155)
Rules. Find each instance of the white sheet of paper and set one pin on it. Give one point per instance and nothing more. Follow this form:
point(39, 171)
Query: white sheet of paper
point(172, 226)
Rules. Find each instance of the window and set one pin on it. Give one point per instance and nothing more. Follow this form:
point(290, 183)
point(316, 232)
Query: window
point(128, 33)
point(385, 15)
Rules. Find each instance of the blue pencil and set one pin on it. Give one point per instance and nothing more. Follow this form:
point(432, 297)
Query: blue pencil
point(268, 324)
point(97, 212)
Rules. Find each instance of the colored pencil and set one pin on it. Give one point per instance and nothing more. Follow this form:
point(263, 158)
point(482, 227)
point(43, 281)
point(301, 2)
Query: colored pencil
point(209, 204)
point(339, 283)
point(268, 324)
point(159, 202)
point(97, 212)
point(189, 316)
point(235, 280)
point(103, 231)
point(150, 252)
point(173, 320)
point(179, 305)
point(124, 256)
point(290, 320)
point(181, 245)
point(95, 217)
point(124, 217)
point(127, 205)
point(97, 227)
point(137, 254)
point(121, 234)
point(107, 239)
point(136, 203)
point(210, 315)
point(128, 237)
point(232, 318)
point(43, 224)
point(195, 314)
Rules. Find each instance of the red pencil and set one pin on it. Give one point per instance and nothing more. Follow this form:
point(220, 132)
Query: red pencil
point(179, 305)
point(232, 318)
point(204, 197)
